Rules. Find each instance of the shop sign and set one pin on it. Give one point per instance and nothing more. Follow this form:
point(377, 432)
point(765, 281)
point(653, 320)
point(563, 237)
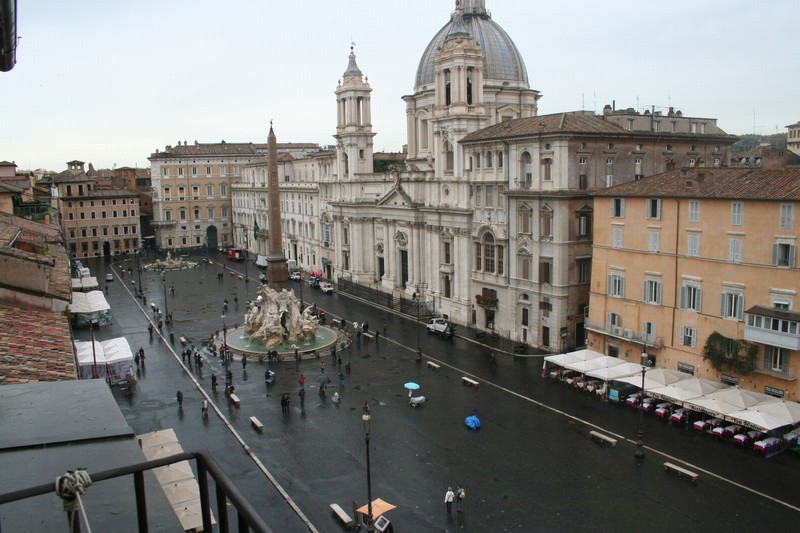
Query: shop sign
point(730, 380)
point(772, 391)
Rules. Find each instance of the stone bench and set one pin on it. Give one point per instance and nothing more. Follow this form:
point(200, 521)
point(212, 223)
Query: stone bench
point(681, 471)
point(469, 381)
point(368, 335)
point(257, 425)
point(603, 438)
point(234, 400)
point(433, 366)
point(343, 517)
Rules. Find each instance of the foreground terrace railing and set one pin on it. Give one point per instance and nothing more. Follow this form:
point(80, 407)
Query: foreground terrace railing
point(248, 518)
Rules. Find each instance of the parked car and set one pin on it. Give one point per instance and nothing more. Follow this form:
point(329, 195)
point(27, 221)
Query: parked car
point(326, 287)
point(109, 277)
point(313, 281)
point(294, 276)
point(442, 327)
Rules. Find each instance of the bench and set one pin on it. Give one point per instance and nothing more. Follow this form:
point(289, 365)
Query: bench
point(343, 517)
point(368, 335)
point(681, 471)
point(468, 381)
point(602, 437)
point(234, 400)
point(336, 323)
point(257, 425)
point(433, 366)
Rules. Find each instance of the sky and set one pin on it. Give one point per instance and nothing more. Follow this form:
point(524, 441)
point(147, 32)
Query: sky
point(108, 82)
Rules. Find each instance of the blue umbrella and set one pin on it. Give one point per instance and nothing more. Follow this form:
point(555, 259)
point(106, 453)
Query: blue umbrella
point(411, 385)
point(472, 422)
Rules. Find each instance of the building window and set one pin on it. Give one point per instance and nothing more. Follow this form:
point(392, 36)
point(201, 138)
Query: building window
point(584, 270)
point(618, 207)
point(489, 196)
point(488, 253)
point(525, 216)
point(546, 222)
point(547, 163)
point(653, 240)
point(210, 212)
point(616, 237)
point(649, 332)
point(194, 171)
point(478, 195)
point(224, 212)
point(180, 171)
point(223, 190)
point(783, 255)
point(692, 298)
point(525, 266)
point(737, 213)
point(209, 191)
point(777, 359)
point(654, 209)
point(692, 244)
point(583, 182)
point(489, 160)
point(545, 271)
point(735, 249)
point(616, 285)
point(499, 159)
point(584, 224)
point(208, 170)
point(652, 291)
point(732, 305)
point(688, 336)
point(582, 160)
point(197, 213)
point(787, 216)
point(694, 211)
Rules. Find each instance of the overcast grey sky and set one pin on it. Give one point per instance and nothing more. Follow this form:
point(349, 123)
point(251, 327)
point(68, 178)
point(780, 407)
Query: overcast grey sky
point(110, 81)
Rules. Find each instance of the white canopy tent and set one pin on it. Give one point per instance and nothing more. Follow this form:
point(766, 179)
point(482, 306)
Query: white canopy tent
point(616, 372)
point(84, 284)
point(727, 401)
point(563, 359)
point(113, 357)
point(768, 415)
point(657, 377)
point(90, 306)
point(687, 389)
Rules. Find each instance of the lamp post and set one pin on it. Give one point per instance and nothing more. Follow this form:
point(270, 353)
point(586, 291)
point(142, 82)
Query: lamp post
point(224, 342)
point(139, 270)
point(246, 254)
point(164, 283)
point(94, 352)
point(365, 418)
point(415, 297)
point(639, 451)
point(301, 289)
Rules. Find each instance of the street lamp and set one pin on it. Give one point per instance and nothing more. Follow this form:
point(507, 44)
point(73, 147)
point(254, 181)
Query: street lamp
point(94, 352)
point(164, 282)
point(224, 342)
point(301, 289)
point(139, 270)
point(639, 451)
point(415, 297)
point(246, 254)
point(365, 418)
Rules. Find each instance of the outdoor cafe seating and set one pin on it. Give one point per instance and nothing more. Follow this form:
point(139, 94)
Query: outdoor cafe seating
point(707, 424)
point(664, 410)
point(745, 438)
point(723, 432)
point(679, 416)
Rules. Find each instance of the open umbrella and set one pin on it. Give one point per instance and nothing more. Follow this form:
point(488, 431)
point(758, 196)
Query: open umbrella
point(379, 507)
point(472, 422)
point(323, 379)
point(411, 385)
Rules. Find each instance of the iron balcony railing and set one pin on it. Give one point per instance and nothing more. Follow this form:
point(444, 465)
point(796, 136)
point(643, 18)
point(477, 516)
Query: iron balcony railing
point(226, 491)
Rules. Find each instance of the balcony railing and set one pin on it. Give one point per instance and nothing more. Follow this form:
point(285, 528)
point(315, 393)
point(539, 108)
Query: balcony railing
point(226, 491)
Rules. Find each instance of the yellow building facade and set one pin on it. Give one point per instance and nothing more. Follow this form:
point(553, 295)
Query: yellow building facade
point(697, 268)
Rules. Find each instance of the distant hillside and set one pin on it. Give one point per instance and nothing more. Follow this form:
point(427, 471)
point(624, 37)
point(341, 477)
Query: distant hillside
point(750, 142)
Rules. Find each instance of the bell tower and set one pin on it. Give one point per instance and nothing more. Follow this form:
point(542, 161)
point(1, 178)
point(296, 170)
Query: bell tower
point(353, 122)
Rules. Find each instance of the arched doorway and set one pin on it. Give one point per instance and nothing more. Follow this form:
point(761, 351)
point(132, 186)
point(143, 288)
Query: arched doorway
point(211, 237)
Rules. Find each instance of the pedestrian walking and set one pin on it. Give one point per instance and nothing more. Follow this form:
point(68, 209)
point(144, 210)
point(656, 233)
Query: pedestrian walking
point(283, 403)
point(179, 397)
point(302, 395)
point(205, 408)
point(136, 359)
point(460, 494)
point(214, 382)
point(384, 328)
point(449, 496)
point(302, 381)
point(347, 367)
point(492, 362)
point(244, 361)
point(150, 329)
point(141, 355)
point(322, 367)
point(339, 362)
point(160, 324)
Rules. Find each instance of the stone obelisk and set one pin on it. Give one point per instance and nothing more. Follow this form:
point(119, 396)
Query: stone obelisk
point(277, 270)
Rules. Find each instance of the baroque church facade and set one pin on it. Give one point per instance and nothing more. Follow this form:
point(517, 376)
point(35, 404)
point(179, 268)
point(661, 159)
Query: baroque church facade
point(489, 220)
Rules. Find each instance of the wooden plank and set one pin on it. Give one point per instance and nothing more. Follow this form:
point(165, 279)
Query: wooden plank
point(343, 517)
point(469, 381)
point(235, 400)
point(681, 471)
point(433, 366)
point(603, 438)
point(256, 424)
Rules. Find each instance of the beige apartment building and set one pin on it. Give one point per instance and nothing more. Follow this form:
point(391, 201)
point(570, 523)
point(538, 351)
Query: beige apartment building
point(793, 137)
point(192, 195)
point(697, 268)
point(95, 222)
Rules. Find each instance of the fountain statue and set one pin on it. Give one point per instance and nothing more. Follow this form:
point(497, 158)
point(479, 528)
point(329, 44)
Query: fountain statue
point(276, 318)
point(170, 264)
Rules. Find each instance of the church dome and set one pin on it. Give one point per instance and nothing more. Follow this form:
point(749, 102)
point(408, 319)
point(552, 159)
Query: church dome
point(501, 60)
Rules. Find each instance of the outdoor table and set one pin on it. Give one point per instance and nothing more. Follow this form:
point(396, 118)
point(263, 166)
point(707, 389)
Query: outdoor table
point(679, 415)
point(701, 425)
point(724, 432)
point(743, 439)
point(632, 400)
point(764, 445)
point(663, 410)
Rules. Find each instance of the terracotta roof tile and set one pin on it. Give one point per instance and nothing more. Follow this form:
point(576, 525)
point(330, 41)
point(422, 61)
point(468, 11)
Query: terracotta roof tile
point(34, 346)
point(718, 182)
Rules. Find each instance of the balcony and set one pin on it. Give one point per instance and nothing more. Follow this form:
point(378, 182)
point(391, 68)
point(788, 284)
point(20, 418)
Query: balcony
point(225, 494)
point(775, 327)
point(783, 371)
point(622, 333)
